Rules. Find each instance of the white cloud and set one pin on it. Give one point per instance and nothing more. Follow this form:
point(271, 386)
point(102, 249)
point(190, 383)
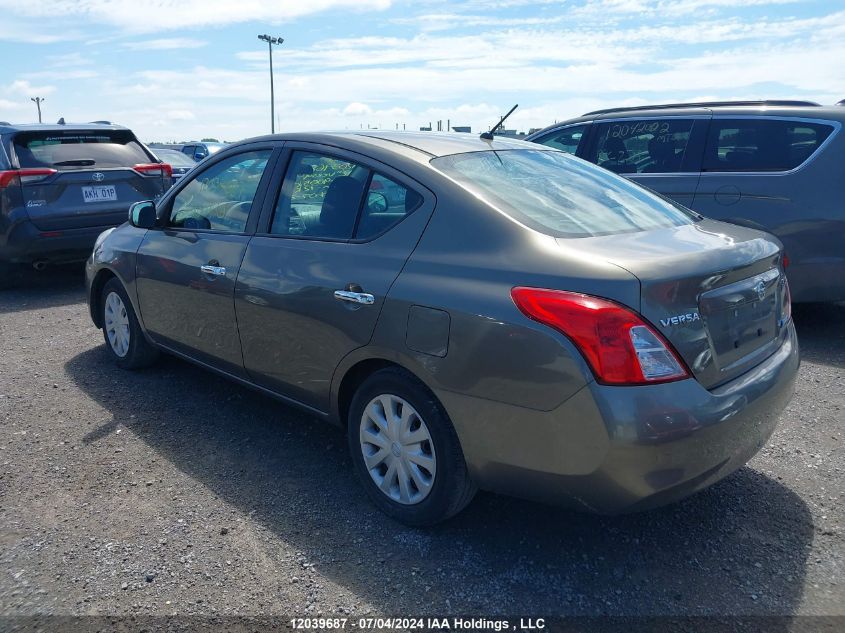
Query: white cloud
point(357, 109)
point(147, 16)
point(68, 60)
point(24, 88)
point(165, 44)
point(180, 115)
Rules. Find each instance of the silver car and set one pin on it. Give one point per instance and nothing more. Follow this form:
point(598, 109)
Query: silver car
point(522, 321)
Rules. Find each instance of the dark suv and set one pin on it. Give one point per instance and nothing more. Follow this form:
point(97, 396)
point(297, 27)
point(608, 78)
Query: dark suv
point(772, 165)
point(62, 185)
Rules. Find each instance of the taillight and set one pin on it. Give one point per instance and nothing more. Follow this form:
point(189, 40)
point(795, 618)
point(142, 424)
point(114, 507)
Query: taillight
point(154, 169)
point(619, 346)
point(25, 176)
point(785, 261)
point(787, 307)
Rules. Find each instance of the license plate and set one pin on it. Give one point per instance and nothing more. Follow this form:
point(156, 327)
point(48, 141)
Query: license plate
point(99, 194)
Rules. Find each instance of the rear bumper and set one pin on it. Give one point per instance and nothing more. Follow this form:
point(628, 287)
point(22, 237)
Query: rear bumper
point(620, 449)
point(25, 244)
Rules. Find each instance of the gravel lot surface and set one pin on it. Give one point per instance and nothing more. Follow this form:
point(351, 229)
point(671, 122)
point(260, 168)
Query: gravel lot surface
point(173, 491)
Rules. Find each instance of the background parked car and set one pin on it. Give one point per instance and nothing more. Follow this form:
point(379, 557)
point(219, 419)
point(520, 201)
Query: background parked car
point(196, 150)
point(62, 185)
point(180, 164)
point(524, 322)
point(771, 165)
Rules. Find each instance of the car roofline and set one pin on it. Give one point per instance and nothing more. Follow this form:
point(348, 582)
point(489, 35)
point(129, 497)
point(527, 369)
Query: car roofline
point(10, 128)
point(707, 104)
point(426, 145)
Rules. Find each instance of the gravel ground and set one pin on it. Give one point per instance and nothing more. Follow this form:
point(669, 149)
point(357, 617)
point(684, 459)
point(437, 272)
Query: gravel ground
point(172, 491)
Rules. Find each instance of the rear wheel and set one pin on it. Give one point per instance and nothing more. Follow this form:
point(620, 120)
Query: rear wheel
point(121, 331)
point(405, 450)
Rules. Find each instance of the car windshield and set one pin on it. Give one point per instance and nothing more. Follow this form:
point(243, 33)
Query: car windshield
point(557, 194)
point(79, 149)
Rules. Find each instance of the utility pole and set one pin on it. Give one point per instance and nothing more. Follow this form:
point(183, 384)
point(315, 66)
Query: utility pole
point(270, 41)
point(38, 101)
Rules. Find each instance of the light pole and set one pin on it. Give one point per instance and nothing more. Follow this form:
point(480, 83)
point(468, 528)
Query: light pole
point(270, 41)
point(38, 101)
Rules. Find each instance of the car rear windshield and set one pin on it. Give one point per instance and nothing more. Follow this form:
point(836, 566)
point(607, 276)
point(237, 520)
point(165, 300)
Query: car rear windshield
point(79, 149)
point(557, 194)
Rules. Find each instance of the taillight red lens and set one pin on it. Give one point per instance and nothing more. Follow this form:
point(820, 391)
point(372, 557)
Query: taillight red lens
point(619, 346)
point(24, 176)
point(154, 169)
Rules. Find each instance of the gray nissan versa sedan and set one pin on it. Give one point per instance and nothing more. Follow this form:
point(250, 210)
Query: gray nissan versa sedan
point(522, 321)
point(772, 165)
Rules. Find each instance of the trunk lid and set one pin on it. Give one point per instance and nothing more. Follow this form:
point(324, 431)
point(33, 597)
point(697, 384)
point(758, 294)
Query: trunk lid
point(715, 291)
point(64, 200)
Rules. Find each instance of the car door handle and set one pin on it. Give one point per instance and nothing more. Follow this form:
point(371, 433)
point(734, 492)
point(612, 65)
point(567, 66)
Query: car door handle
point(355, 297)
point(218, 271)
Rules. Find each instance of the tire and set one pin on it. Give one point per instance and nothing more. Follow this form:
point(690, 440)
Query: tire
point(429, 442)
point(121, 331)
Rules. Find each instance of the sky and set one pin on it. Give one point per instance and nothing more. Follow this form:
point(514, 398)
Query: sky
point(187, 69)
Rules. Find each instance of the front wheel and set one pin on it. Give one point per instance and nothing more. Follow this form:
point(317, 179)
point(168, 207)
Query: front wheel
point(405, 450)
point(121, 330)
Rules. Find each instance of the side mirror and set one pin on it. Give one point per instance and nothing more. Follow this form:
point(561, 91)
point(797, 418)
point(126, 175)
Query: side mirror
point(199, 156)
point(143, 214)
point(377, 202)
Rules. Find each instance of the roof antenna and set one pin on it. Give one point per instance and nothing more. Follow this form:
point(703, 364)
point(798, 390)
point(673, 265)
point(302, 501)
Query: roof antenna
point(60, 121)
point(488, 136)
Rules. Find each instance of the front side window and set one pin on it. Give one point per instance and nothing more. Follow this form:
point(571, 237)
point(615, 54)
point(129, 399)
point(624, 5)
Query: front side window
point(642, 146)
point(567, 139)
point(761, 144)
point(220, 198)
point(324, 197)
point(557, 194)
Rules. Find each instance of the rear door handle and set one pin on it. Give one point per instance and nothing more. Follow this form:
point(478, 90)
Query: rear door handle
point(363, 298)
point(218, 271)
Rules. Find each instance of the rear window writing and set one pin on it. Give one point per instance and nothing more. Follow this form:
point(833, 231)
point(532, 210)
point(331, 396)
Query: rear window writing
point(79, 150)
point(761, 144)
point(644, 146)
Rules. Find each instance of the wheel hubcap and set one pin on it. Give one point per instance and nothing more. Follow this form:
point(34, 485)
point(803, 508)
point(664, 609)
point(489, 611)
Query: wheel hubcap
point(398, 450)
point(117, 324)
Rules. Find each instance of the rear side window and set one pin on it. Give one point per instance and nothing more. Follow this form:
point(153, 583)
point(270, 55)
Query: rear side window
point(643, 146)
point(559, 195)
point(387, 204)
point(567, 139)
point(324, 197)
point(98, 149)
point(761, 144)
